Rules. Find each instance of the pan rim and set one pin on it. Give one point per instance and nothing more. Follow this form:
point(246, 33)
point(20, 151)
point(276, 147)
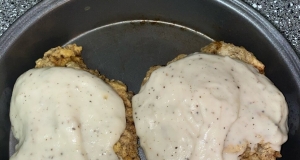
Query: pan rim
point(273, 35)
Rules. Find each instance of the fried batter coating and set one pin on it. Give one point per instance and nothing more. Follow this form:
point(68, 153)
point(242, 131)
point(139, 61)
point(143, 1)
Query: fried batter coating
point(262, 151)
point(232, 51)
point(70, 56)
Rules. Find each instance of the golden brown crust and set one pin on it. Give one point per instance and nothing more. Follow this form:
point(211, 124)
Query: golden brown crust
point(227, 49)
point(70, 56)
point(153, 68)
point(262, 151)
point(223, 49)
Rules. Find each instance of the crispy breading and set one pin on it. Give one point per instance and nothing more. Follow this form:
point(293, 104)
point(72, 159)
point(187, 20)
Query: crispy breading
point(153, 68)
point(70, 56)
point(227, 49)
point(262, 151)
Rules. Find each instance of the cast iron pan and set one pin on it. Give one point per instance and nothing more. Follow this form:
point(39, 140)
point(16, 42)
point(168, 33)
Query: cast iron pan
point(122, 39)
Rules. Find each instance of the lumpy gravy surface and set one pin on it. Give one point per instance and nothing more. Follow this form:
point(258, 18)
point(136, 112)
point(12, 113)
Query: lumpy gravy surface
point(65, 113)
point(208, 107)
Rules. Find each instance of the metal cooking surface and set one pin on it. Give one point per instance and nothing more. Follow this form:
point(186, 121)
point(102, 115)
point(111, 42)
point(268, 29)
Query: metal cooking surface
point(126, 50)
point(123, 47)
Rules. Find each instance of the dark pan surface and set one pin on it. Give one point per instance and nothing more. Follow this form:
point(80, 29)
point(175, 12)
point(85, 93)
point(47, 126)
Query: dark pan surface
point(125, 50)
point(123, 39)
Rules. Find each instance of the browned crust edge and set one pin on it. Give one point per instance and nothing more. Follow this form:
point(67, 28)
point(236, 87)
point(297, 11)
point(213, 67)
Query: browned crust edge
point(232, 51)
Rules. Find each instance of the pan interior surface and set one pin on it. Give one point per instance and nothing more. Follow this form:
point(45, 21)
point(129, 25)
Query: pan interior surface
point(126, 50)
point(122, 45)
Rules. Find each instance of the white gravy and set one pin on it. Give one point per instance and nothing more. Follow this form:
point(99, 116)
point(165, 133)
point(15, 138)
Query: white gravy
point(208, 107)
point(64, 113)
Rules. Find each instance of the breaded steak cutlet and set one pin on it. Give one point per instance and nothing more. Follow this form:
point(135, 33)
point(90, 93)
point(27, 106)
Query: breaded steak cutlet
point(263, 150)
point(70, 56)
